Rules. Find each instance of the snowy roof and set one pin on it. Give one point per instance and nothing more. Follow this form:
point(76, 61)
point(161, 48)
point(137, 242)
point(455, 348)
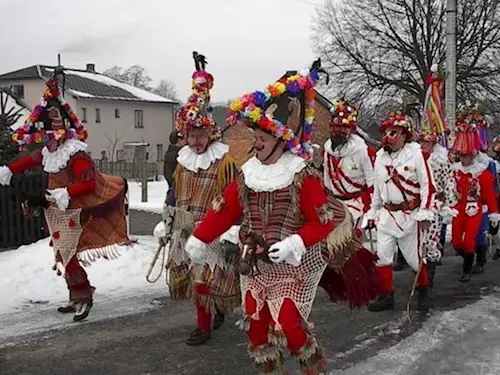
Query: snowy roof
point(13, 107)
point(89, 85)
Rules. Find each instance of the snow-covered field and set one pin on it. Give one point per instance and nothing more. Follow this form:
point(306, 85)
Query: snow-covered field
point(31, 291)
point(157, 191)
point(463, 341)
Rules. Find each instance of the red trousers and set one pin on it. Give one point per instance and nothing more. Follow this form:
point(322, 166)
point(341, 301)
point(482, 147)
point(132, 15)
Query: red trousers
point(386, 276)
point(289, 319)
point(464, 231)
point(79, 287)
point(204, 319)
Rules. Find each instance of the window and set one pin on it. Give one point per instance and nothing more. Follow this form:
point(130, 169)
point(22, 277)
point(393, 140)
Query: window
point(117, 113)
point(97, 115)
point(84, 114)
point(159, 152)
point(138, 118)
point(18, 90)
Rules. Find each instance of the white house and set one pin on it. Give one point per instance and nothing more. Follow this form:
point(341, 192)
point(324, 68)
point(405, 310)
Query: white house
point(117, 116)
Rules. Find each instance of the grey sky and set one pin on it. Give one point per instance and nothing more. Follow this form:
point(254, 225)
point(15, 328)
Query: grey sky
point(248, 43)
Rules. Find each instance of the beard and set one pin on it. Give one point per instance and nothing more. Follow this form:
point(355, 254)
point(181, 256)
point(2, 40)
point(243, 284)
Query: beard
point(337, 141)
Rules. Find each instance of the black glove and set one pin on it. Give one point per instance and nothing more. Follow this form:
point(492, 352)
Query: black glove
point(35, 200)
point(493, 229)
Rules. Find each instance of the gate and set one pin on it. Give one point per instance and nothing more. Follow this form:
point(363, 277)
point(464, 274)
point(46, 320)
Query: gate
point(15, 229)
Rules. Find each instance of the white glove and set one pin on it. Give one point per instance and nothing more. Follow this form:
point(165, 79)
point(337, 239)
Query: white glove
point(289, 250)
point(494, 218)
point(60, 197)
point(5, 175)
point(196, 250)
point(232, 235)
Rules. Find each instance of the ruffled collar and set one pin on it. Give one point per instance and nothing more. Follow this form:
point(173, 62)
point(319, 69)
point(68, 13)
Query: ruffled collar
point(353, 144)
point(439, 156)
point(193, 161)
point(54, 162)
point(260, 177)
point(479, 165)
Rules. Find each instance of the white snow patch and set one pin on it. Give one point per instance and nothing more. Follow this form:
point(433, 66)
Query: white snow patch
point(81, 94)
point(157, 191)
point(139, 93)
point(463, 341)
point(12, 106)
point(31, 291)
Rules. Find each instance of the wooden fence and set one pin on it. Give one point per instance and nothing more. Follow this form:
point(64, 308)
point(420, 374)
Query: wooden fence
point(15, 229)
point(132, 171)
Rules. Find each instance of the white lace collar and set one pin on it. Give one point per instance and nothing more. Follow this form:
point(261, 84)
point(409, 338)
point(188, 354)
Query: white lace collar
point(353, 144)
point(478, 166)
point(261, 177)
point(439, 156)
point(193, 161)
point(54, 162)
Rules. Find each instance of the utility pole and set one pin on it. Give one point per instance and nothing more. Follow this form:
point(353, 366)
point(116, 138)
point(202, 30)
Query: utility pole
point(451, 64)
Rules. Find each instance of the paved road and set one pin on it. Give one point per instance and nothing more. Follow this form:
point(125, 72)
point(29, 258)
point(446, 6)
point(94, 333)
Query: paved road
point(153, 343)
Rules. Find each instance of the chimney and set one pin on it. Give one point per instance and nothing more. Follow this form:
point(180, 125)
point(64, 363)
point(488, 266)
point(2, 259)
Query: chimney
point(91, 68)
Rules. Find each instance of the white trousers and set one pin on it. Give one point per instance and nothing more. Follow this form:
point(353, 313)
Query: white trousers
point(387, 247)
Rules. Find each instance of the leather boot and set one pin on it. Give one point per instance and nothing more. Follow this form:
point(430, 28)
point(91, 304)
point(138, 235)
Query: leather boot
point(384, 301)
point(467, 267)
point(400, 262)
point(424, 298)
point(480, 259)
point(218, 321)
point(198, 337)
point(431, 271)
point(69, 308)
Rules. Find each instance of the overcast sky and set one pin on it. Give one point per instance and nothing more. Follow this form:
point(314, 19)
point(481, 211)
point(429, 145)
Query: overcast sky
point(248, 43)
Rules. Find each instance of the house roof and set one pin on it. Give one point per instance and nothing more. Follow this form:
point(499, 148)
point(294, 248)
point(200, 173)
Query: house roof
point(88, 84)
point(13, 109)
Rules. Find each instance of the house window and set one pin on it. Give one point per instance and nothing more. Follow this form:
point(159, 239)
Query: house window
point(159, 152)
point(84, 114)
point(18, 90)
point(117, 113)
point(97, 115)
point(138, 118)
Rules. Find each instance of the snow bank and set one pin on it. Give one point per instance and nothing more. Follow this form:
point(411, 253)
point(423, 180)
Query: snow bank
point(157, 191)
point(462, 341)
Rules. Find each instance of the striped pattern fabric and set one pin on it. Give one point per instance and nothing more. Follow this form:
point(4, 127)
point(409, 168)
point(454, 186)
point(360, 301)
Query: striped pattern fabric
point(103, 217)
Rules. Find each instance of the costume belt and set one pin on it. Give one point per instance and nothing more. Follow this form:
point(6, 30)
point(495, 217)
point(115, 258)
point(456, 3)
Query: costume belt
point(404, 206)
point(348, 196)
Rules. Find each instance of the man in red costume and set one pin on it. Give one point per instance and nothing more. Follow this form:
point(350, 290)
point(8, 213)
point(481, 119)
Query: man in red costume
point(204, 170)
point(401, 206)
point(86, 211)
point(475, 188)
point(293, 229)
point(348, 166)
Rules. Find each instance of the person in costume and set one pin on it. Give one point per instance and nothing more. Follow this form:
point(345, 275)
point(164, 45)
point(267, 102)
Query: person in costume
point(85, 211)
point(204, 170)
point(475, 188)
point(291, 226)
point(496, 158)
point(445, 198)
point(401, 207)
point(348, 171)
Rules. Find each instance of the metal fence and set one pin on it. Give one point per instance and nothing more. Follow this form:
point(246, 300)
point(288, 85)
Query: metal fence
point(15, 229)
point(132, 171)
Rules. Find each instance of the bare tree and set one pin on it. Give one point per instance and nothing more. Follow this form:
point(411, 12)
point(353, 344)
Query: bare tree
point(114, 141)
point(135, 76)
point(384, 47)
point(166, 89)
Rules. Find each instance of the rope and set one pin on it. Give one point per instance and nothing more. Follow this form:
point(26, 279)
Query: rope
point(161, 250)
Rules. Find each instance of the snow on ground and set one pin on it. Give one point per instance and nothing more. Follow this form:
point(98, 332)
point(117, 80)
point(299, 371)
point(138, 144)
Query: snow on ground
point(463, 341)
point(31, 291)
point(157, 191)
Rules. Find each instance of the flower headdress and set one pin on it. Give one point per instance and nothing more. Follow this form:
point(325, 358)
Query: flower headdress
point(475, 115)
point(397, 119)
point(196, 113)
point(468, 139)
point(270, 108)
point(52, 118)
point(344, 118)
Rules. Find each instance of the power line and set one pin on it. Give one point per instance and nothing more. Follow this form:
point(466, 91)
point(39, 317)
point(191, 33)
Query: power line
point(310, 3)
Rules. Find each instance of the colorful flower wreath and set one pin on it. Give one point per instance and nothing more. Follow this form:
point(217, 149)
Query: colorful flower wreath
point(196, 113)
point(397, 119)
point(344, 114)
point(33, 130)
point(251, 106)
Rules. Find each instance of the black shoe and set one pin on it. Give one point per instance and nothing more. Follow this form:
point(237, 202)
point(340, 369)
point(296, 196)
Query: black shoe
point(218, 321)
point(400, 262)
point(69, 308)
point(383, 302)
point(465, 278)
point(82, 311)
point(424, 298)
point(477, 268)
point(496, 256)
point(198, 337)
